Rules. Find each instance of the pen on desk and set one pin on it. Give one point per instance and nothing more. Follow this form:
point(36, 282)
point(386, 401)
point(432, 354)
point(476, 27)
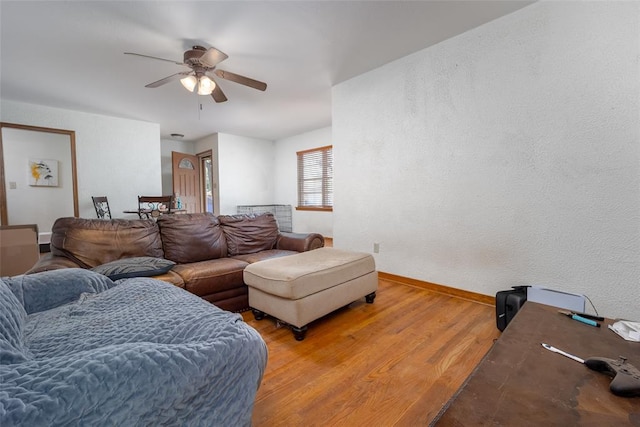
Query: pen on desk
point(580, 319)
point(588, 316)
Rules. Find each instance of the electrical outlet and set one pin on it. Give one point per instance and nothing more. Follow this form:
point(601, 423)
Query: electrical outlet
point(12, 185)
point(376, 248)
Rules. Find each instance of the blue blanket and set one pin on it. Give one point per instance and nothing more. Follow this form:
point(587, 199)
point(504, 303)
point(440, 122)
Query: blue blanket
point(135, 352)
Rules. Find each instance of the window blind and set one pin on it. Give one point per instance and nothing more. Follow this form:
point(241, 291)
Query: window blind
point(315, 178)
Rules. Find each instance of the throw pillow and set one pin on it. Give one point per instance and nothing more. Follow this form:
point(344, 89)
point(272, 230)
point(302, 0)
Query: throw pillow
point(134, 267)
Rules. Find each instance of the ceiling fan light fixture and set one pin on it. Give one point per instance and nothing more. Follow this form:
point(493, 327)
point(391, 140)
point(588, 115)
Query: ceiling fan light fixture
point(202, 61)
point(189, 83)
point(206, 86)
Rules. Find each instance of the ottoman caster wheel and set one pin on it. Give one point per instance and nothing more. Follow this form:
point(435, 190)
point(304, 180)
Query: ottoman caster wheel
point(259, 315)
point(369, 298)
point(299, 333)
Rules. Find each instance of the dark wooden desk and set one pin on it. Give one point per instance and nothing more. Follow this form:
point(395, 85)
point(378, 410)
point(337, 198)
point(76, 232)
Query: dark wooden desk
point(519, 383)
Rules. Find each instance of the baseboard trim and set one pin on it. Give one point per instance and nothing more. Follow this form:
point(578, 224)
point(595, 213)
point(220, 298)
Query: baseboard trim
point(447, 290)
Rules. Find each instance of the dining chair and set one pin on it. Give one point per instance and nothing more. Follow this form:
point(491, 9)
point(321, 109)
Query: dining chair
point(101, 203)
point(151, 207)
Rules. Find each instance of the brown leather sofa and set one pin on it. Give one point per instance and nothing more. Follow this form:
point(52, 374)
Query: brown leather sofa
point(210, 252)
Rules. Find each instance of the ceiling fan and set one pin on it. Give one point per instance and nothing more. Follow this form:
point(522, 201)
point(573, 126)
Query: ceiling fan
point(203, 63)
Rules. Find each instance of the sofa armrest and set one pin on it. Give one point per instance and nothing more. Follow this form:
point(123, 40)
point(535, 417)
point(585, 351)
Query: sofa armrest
point(300, 242)
point(52, 262)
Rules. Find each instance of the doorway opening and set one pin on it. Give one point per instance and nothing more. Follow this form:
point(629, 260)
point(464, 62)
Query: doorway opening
point(23, 197)
point(194, 181)
point(206, 169)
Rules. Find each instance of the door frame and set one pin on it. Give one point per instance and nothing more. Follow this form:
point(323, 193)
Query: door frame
point(208, 154)
point(4, 215)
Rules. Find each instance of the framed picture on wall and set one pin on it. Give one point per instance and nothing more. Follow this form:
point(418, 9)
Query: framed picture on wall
point(43, 173)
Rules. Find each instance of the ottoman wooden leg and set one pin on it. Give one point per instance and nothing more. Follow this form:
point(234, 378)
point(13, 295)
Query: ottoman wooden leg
point(299, 333)
point(369, 298)
point(259, 315)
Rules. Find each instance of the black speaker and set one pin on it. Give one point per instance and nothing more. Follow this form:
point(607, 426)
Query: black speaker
point(508, 303)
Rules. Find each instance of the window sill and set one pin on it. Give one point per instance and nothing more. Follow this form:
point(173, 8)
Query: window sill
point(315, 208)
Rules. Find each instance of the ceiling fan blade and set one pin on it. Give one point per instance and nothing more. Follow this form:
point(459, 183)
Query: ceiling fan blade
point(237, 78)
point(212, 57)
point(218, 95)
point(155, 57)
point(168, 79)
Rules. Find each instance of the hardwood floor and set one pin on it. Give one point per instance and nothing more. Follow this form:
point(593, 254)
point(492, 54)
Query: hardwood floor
point(395, 362)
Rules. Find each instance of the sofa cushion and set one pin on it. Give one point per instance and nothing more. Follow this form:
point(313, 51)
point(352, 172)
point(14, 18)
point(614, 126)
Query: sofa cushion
point(12, 319)
point(247, 234)
point(134, 267)
point(192, 237)
point(171, 277)
point(262, 255)
point(93, 242)
point(208, 277)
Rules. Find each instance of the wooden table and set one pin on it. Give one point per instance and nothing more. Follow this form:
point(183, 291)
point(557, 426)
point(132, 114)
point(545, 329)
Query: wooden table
point(519, 383)
point(147, 211)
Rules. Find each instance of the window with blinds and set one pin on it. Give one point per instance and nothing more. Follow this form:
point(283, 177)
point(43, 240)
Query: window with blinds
point(315, 179)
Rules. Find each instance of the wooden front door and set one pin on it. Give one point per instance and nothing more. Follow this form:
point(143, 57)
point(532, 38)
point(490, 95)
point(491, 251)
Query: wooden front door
point(186, 180)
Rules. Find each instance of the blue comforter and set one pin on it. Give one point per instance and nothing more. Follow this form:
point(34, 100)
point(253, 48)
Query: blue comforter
point(79, 349)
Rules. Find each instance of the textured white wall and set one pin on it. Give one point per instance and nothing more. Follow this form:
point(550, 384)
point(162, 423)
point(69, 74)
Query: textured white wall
point(507, 155)
point(117, 158)
point(245, 167)
point(286, 177)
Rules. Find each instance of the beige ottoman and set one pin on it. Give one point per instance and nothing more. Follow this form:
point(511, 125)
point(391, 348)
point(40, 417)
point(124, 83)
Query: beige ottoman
point(301, 288)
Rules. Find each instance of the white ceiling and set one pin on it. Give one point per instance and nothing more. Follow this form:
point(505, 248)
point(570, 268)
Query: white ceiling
point(70, 54)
